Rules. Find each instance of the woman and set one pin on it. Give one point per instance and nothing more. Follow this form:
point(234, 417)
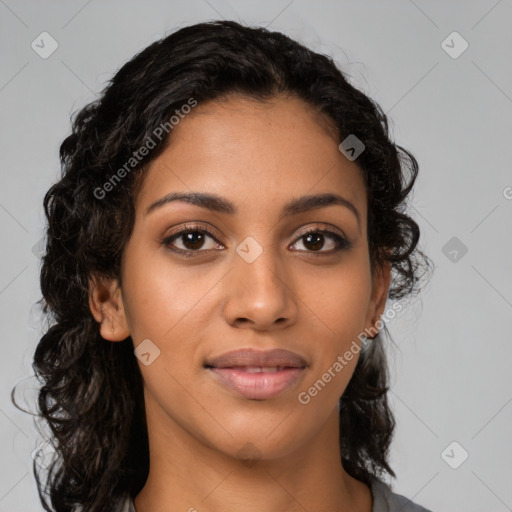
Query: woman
point(220, 249)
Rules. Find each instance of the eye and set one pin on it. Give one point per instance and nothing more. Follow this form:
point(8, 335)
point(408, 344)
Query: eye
point(314, 239)
point(192, 239)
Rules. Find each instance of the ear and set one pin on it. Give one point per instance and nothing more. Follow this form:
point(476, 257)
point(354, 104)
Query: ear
point(381, 280)
point(106, 304)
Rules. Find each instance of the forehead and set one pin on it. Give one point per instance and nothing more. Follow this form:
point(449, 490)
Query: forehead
point(258, 154)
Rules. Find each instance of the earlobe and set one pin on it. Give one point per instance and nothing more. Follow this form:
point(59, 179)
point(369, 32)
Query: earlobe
point(107, 307)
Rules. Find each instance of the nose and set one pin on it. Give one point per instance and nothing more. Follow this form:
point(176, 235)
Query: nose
point(261, 294)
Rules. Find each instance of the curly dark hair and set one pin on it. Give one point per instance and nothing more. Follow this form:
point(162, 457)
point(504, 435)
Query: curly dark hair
point(91, 393)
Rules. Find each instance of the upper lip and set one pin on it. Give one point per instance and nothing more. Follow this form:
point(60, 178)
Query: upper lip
point(248, 357)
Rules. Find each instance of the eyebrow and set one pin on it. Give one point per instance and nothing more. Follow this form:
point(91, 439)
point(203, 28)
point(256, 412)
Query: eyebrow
point(222, 205)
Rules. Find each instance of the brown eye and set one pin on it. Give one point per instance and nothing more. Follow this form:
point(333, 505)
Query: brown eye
point(192, 239)
point(314, 240)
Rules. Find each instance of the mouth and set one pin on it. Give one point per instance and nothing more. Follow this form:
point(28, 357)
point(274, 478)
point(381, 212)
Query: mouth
point(258, 375)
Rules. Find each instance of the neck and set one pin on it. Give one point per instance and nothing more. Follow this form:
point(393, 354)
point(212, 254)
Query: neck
point(186, 474)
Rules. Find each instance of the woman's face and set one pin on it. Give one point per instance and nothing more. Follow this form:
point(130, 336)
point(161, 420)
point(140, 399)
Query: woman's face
point(256, 282)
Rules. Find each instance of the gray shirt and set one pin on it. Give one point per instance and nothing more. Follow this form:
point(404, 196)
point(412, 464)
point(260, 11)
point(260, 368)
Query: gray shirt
point(384, 500)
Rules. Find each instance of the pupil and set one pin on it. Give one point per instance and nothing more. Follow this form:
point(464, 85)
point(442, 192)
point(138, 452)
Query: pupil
point(318, 244)
point(190, 243)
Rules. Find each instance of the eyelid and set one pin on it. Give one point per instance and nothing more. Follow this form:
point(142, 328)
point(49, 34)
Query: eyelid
point(322, 227)
point(191, 227)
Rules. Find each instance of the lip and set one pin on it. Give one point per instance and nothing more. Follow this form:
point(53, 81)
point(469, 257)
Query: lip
point(245, 357)
point(240, 371)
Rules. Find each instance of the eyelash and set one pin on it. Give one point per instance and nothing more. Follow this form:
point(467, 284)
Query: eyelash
point(342, 243)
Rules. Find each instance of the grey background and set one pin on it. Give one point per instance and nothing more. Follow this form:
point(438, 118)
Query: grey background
point(451, 375)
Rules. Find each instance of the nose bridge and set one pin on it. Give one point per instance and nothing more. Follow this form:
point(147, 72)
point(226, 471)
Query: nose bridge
point(260, 290)
point(260, 263)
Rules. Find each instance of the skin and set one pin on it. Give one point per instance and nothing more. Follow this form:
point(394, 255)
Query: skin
point(259, 156)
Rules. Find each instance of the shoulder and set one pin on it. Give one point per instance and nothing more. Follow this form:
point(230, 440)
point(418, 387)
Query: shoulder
point(385, 500)
point(128, 505)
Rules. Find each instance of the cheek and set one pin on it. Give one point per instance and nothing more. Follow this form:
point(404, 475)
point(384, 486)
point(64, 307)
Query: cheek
point(160, 294)
point(338, 299)
point(336, 306)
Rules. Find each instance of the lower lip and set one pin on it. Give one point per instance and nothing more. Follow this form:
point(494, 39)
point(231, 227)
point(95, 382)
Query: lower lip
point(261, 385)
